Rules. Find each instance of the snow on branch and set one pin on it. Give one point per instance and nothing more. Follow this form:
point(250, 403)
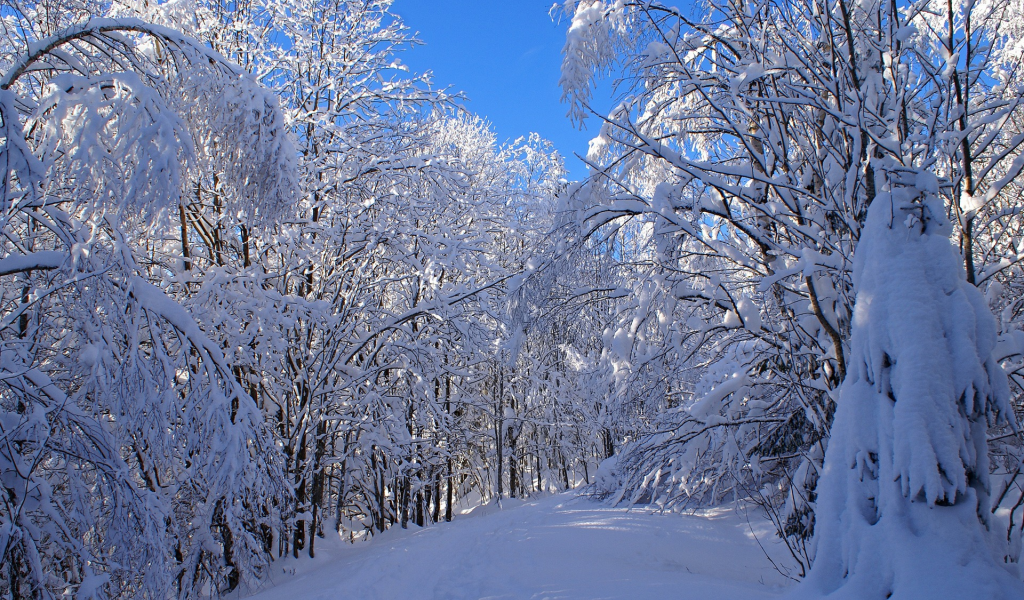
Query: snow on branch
point(42, 260)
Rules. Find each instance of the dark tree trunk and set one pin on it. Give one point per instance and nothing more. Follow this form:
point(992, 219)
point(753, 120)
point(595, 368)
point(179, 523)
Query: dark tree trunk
point(317, 499)
point(451, 493)
point(419, 508)
point(437, 497)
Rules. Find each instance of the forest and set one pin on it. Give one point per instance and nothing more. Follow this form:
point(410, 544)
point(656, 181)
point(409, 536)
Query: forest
point(260, 283)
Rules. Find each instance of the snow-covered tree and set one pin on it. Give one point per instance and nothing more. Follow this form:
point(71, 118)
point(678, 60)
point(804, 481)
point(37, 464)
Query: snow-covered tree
point(133, 462)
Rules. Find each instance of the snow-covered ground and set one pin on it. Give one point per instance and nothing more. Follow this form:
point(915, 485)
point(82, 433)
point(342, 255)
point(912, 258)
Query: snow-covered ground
point(559, 547)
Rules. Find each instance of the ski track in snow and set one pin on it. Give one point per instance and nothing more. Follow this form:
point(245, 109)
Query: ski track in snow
point(559, 547)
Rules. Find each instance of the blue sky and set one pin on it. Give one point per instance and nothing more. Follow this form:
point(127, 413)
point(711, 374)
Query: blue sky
point(505, 56)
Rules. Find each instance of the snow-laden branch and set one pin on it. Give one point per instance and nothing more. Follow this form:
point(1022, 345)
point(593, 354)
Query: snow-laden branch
point(97, 26)
point(42, 260)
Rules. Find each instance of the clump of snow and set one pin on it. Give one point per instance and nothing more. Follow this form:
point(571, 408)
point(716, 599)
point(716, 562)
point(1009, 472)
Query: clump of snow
point(904, 493)
point(607, 480)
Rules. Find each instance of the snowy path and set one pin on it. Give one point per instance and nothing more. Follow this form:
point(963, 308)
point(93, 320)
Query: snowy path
point(555, 548)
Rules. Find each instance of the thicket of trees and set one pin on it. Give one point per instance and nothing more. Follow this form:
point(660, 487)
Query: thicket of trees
point(259, 282)
point(737, 171)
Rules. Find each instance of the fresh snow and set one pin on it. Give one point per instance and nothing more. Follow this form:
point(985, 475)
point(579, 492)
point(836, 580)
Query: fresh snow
point(560, 547)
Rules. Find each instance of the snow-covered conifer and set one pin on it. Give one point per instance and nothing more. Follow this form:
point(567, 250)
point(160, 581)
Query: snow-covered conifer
point(904, 508)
